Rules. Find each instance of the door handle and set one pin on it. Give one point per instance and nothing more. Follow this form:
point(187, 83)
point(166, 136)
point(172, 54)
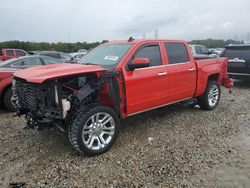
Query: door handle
point(191, 69)
point(162, 73)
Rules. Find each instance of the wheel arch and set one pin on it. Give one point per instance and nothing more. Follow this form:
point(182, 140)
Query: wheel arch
point(203, 81)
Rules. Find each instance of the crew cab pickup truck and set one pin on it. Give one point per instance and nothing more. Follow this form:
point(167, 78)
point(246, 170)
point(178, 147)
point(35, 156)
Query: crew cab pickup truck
point(11, 53)
point(112, 82)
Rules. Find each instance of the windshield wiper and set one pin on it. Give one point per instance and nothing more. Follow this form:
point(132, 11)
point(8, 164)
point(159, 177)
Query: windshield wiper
point(90, 64)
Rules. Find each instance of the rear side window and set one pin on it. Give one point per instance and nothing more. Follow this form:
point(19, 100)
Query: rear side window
point(28, 62)
point(151, 52)
point(197, 50)
point(10, 52)
point(20, 53)
point(177, 53)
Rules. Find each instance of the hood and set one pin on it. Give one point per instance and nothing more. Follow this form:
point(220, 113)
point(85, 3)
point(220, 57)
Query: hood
point(39, 74)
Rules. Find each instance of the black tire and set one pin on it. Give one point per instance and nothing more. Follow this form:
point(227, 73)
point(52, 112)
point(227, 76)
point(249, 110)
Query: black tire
point(80, 122)
point(7, 100)
point(203, 101)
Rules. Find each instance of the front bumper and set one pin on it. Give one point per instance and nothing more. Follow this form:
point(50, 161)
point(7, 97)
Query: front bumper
point(228, 83)
point(38, 100)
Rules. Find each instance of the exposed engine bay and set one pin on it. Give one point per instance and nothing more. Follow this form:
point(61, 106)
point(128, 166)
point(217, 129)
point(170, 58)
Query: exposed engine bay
point(55, 101)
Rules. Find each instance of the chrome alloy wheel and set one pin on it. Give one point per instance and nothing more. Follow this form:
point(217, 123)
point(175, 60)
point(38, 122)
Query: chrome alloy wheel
point(98, 131)
point(213, 95)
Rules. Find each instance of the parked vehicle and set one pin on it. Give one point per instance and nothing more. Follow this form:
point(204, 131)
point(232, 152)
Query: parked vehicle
point(57, 55)
point(11, 53)
point(77, 56)
point(82, 50)
point(239, 60)
point(202, 52)
point(7, 68)
point(217, 51)
point(112, 82)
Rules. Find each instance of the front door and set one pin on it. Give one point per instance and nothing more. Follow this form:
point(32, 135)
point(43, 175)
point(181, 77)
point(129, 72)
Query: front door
point(147, 88)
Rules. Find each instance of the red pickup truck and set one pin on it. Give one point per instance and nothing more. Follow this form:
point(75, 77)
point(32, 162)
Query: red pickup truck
point(112, 82)
point(11, 53)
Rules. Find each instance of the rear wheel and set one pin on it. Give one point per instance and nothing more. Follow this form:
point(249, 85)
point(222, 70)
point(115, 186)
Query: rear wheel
point(210, 99)
point(94, 129)
point(7, 100)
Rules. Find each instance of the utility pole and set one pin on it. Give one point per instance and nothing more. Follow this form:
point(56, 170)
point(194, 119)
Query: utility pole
point(144, 36)
point(248, 37)
point(156, 33)
point(68, 36)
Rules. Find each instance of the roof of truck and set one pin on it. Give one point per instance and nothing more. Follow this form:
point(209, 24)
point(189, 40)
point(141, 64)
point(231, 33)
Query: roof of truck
point(134, 41)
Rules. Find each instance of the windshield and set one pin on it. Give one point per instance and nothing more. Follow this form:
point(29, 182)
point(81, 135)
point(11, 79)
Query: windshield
point(237, 53)
point(107, 55)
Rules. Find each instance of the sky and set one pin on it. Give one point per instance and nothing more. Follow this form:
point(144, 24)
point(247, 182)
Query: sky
point(96, 20)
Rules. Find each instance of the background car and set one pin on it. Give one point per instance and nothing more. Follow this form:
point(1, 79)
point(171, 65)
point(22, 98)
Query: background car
point(78, 55)
point(201, 52)
point(238, 60)
point(7, 68)
point(57, 55)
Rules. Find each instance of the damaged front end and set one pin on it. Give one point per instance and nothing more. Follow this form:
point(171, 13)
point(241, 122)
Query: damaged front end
point(56, 101)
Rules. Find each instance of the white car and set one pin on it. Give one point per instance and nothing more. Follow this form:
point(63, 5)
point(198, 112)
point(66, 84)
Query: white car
point(78, 55)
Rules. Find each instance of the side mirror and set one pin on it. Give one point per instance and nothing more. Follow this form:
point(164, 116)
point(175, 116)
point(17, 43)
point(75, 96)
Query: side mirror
point(138, 63)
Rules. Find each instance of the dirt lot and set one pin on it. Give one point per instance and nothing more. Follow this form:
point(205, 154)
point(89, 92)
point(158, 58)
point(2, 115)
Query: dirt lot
point(175, 146)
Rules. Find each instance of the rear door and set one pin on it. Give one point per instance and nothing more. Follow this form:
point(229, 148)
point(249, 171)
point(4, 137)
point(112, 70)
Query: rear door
point(238, 59)
point(181, 72)
point(9, 54)
point(147, 88)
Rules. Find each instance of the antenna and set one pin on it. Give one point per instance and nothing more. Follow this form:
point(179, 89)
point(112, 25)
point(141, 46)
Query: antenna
point(130, 39)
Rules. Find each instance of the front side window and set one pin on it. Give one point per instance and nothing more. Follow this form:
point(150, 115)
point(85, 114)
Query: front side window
point(151, 52)
point(48, 61)
point(106, 55)
point(10, 52)
point(51, 54)
point(204, 50)
point(20, 53)
point(177, 53)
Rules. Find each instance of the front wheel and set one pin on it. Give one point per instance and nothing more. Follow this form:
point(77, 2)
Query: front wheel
point(94, 129)
point(210, 99)
point(7, 100)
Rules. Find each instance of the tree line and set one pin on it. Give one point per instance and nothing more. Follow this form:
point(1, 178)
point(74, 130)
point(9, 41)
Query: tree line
point(60, 46)
point(73, 47)
point(214, 43)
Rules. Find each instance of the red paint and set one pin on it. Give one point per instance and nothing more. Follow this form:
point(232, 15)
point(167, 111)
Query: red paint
point(145, 88)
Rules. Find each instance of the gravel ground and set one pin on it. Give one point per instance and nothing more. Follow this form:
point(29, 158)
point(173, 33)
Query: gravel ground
point(175, 146)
